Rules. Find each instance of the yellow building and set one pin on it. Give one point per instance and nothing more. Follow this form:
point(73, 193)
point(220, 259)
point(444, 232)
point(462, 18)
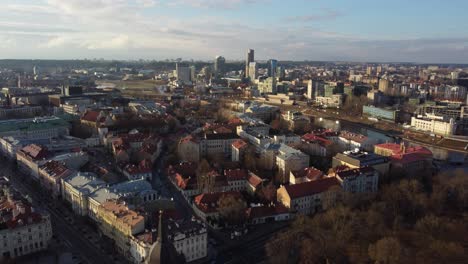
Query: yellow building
point(119, 223)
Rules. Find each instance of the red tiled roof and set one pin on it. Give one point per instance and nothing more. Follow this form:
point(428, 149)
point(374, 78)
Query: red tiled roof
point(406, 155)
point(90, 116)
point(311, 173)
point(186, 169)
point(312, 187)
point(314, 138)
point(208, 202)
point(235, 175)
point(254, 180)
point(55, 169)
point(238, 144)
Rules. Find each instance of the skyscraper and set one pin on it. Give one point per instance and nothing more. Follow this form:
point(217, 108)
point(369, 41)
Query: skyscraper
point(219, 63)
point(183, 72)
point(272, 64)
point(253, 68)
point(250, 58)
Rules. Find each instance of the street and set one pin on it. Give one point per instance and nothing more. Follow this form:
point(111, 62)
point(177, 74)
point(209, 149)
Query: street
point(77, 237)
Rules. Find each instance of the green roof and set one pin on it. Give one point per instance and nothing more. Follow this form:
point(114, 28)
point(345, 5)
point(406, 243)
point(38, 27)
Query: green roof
point(32, 124)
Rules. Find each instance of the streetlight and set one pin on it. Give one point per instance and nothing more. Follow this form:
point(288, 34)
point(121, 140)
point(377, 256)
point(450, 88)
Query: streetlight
point(337, 121)
point(320, 119)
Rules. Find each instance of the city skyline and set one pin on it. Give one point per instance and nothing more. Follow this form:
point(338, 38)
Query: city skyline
point(420, 31)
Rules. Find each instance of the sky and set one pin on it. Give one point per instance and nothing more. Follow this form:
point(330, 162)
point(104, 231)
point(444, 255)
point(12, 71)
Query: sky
point(425, 31)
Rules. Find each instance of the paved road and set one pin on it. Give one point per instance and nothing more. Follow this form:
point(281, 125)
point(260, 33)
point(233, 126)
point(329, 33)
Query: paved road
point(70, 233)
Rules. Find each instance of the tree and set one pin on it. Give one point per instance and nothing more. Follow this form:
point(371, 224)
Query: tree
point(232, 209)
point(203, 180)
point(267, 193)
point(386, 251)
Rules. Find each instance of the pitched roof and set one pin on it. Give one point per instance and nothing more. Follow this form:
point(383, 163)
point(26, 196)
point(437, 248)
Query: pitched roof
point(238, 144)
point(254, 180)
point(235, 175)
point(35, 152)
point(311, 188)
point(310, 173)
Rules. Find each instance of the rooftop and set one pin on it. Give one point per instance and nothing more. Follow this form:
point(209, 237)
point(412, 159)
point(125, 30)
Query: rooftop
point(312, 187)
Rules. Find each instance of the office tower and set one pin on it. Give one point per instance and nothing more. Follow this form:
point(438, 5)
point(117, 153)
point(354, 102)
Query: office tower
point(250, 58)
point(253, 68)
point(183, 72)
point(310, 90)
point(193, 73)
point(219, 64)
point(272, 65)
point(280, 72)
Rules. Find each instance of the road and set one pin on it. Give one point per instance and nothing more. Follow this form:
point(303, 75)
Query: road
point(64, 227)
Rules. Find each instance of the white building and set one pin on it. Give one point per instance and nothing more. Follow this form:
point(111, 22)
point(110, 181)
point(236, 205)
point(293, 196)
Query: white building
point(360, 180)
point(24, 230)
point(434, 124)
point(335, 100)
point(189, 238)
point(76, 189)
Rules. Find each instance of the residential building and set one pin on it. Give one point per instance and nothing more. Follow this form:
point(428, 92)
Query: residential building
point(359, 180)
point(268, 86)
point(305, 175)
point(352, 141)
point(309, 197)
point(51, 174)
point(23, 229)
point(267, 214)
point(334, 100)
point(407, 159)
point(189, 238)
point(119, 223)
point(315, 145)
point(135, 193)
point(24, 111)
point(143, 170)
point(205, 205)
point(357, 159)
point(30, 158)
point(236, 179)
point(238, 150)
point(290, 159)
point(76, 189)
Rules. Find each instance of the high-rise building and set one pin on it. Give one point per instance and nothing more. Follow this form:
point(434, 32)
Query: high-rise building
point(385, 86)
point(253, 68)
point(219, 64)
point(183, 72)
point(369, 71)
point(280, 72)
point(250, 58)
point(379, 69)
point(193, 73)
point(272, 65)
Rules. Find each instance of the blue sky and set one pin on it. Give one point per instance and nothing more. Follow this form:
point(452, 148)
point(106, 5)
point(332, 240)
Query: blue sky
point(433, 31)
